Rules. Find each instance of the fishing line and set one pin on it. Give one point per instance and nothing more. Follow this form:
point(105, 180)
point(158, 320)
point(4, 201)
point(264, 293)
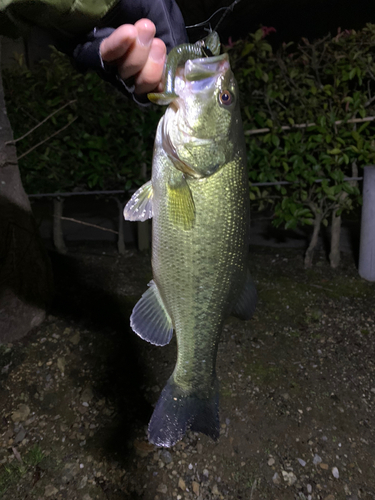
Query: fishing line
point(226, 9)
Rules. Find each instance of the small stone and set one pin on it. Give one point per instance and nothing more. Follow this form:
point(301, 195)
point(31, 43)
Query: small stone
point(16, 453)
point(289, 477)
point(74, 339)
point(61, 363)
point(335, 472)
point(271, 462)
point(86, 497)
point(302, 462)
point(215, 490)
point(330, 497)
point(21, 414)
point(195, 487)
point(323, 466)
point(70, 471)
point(20, 436)
point(166, 457)
point(276, 478)
point(316, 460)
point(143, 448)
point(181, 484)
point(50, 490)
point(205, 472)
point(199, 448)
point(285, 396)
point(87, 395)
point(309, 488)
point(83, 482)
point(162, 488)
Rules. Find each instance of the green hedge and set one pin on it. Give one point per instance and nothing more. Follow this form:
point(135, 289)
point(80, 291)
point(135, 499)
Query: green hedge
point(108, 146)
point(315, 100)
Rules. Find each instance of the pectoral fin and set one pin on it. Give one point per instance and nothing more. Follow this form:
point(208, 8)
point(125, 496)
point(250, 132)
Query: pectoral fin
point(150, 320)
point(247, 301)
point(139, 207)
point(180, 202)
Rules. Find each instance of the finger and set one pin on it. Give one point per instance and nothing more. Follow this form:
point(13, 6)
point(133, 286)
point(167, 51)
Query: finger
point(149, 77)
point(137, 55)
point(118, 43)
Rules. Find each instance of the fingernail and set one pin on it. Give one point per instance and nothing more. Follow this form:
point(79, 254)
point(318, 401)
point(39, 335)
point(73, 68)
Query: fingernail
point(144, 36)
point(157, 53)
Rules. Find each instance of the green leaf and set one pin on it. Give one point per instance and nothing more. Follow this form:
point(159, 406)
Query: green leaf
point(247, 48)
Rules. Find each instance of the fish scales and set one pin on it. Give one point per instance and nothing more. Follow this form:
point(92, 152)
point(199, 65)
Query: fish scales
point(199, 201)
point(203, 268)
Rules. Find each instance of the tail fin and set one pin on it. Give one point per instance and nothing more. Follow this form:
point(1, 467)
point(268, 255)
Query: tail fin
point(177, 411)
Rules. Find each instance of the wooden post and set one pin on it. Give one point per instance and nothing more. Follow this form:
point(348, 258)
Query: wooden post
point(58, 235)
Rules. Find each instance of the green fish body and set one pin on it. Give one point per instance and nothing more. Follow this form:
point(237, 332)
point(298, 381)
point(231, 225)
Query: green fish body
point(198, 198)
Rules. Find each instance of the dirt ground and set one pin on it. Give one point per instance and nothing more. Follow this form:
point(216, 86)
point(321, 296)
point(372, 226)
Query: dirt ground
point(297, 390)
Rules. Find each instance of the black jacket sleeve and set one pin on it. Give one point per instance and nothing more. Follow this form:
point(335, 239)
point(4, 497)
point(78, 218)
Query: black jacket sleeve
point(84, 50)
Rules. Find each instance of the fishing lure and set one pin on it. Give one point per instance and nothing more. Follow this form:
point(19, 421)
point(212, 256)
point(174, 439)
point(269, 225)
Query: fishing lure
point(208, 47)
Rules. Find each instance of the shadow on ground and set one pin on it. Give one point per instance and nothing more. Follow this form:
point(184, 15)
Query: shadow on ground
point(116, 355)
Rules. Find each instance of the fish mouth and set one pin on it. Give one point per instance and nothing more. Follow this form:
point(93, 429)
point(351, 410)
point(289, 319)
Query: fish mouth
point(196, 70)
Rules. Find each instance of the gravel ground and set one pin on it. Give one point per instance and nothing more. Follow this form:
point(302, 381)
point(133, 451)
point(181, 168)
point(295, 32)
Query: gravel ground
point(297, 390)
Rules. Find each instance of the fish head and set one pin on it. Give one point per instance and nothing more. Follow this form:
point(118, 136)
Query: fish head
point(202, 126)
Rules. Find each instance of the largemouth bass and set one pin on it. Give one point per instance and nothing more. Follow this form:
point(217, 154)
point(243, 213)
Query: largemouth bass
point(199, 203)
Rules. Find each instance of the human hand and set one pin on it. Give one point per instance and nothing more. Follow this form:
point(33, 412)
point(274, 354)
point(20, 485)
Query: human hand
point(137, 54)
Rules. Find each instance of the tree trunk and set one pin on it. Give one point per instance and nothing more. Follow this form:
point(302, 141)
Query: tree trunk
point(334, 255)
point(25, 272)
point(313, 242)
point(120, 239)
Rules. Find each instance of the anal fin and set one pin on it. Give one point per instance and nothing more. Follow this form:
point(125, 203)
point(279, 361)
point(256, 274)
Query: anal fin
point(139, 207)
point(247, 300)
point(150, 320)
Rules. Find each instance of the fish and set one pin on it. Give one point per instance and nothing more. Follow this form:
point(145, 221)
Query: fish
point(198, 200)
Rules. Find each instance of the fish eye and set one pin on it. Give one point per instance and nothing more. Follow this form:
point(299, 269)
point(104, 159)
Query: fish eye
point(226, 98)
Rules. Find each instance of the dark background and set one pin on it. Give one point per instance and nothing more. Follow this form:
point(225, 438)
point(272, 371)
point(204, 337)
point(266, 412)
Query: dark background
point(292, 19)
